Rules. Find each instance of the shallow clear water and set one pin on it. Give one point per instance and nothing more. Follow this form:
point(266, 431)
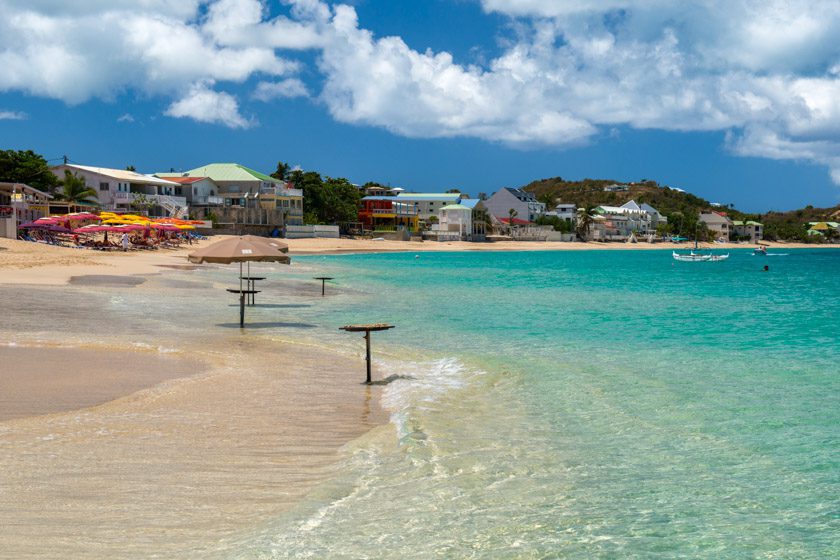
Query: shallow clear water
point(597, 404)
point(586, 404)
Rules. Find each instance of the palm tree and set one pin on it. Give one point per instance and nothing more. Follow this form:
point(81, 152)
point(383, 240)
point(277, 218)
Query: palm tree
point(74, 189)
point(584, 222)
point(511, 215)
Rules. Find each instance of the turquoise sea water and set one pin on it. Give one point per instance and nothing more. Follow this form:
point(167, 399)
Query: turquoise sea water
point(598, 404)
point(593, 404)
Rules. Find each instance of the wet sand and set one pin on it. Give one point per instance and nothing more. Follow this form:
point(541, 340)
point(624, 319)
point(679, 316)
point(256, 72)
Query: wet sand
point(49, 380)
point(181, 469)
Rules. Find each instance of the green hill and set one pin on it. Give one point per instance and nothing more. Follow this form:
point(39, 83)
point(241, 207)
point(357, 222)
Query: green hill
point(681, 208)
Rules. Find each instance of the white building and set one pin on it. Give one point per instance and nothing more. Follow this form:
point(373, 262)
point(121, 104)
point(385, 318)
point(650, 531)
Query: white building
point(522, 202)
point(428, 204)
point(615, 223)
point(566, 212)
point(720, 225)
point(454, 222)
point(749, 229)
point(199, 191)
point(20, 203)
point(118, 189)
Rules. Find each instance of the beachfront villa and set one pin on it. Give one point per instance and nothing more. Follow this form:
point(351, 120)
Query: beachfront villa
point(123, 190)
point(381, 190)
point(428, 204)
point(748, 231)
point(717, 223)
point(566, 212)
point(387, 213)
point(619, 223)
point(454, 223)
point(199, 191)
point(480, 218)
point(20, 203)
point(523, 203)
point(242, 187)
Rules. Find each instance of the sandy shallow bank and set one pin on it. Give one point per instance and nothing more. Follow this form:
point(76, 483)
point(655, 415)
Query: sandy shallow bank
point(178, 469)
point(47, 380)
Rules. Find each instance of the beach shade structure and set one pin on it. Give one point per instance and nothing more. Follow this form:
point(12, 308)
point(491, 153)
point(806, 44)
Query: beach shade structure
point(164, 227)
point(58, 229)
point(367, 329)
point(282, 247)
point(238, 250)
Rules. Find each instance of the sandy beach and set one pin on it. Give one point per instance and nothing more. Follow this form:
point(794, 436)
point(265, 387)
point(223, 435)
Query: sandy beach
point(133, 438)
point(37, 263)
point(181, 465)
point(122, 437)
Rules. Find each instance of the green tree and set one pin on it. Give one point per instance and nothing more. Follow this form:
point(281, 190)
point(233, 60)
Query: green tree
point(130, 168)
point(282, 171)
point(74, 189)
point(548, 199)
point(453, 191)
point(584, 222)
point(511, 215)
point(18, 166)
point(326, 202)
point(341, 201)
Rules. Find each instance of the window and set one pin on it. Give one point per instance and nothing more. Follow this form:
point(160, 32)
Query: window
point(104, 187)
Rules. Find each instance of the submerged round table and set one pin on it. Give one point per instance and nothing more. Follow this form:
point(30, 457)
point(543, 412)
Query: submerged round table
point(367, 329)
point(242, 294)
point(323, 280)
point(252, 285)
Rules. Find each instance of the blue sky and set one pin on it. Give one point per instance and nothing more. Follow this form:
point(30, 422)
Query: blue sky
point(738, 102)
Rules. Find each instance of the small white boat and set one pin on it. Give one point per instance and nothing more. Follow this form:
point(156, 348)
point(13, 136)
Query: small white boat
point(694, 256)
point(691, 257)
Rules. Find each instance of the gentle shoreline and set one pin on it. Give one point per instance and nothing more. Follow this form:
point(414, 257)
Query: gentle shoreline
point(23, 262)
point(178, 467)
point(118, 446)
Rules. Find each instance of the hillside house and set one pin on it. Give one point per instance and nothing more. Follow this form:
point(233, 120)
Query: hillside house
point(524, 203)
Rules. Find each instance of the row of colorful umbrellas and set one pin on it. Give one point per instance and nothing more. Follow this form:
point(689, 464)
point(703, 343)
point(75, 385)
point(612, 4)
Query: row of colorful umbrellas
point(108, 222)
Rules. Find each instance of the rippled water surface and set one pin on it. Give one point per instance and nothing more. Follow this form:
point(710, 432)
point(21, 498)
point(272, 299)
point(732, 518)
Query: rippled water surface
point(597, 404)
point(589, 404)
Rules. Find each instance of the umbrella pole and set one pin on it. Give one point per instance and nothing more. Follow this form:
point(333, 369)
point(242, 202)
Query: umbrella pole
point(241, 300)
point(367, 355)
point(251, 284)
point(241, 310)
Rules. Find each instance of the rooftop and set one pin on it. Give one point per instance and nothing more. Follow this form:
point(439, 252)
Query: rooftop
point(428, 196)
point(120, 174)
point(225, 172)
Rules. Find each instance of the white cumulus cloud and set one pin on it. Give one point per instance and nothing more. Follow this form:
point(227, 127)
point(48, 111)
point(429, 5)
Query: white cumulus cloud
point(289, 88)
point(765, 72)
point(205, 105)
point(12, 115)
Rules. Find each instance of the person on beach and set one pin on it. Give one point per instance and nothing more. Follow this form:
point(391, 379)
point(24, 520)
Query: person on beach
point(124, 241)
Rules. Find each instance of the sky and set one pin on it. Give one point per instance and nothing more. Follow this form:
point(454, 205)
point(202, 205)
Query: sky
point(737, 101)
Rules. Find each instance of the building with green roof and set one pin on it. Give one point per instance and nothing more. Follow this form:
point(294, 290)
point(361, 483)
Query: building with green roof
point(244, 187)
point(749, 229)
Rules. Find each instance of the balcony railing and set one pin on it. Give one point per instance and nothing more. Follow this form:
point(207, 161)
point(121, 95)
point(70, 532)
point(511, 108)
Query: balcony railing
point(128, 197)
point(208, 200)
point(406, 211)
point(281, 192)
